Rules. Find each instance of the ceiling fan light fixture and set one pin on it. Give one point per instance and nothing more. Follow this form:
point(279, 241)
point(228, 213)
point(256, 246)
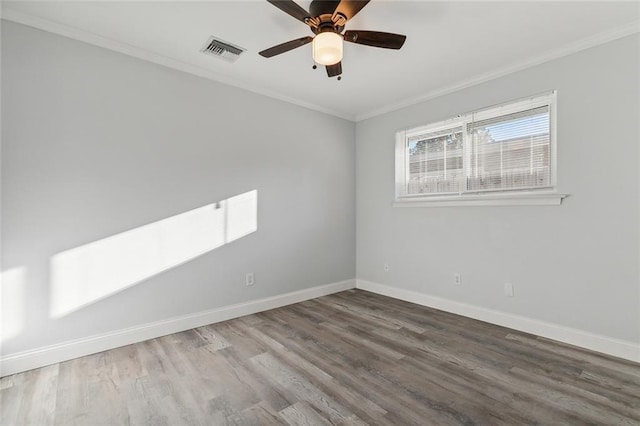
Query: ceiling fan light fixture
point(327, 48)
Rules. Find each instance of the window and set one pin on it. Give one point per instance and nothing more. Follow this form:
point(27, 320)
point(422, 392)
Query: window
point(507, 151)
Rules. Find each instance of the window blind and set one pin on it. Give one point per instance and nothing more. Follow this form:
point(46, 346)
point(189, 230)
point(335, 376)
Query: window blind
point(435, 162)
point(504, 148)
point(511, 151)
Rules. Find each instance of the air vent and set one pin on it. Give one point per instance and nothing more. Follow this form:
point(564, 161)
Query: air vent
point(222, 49)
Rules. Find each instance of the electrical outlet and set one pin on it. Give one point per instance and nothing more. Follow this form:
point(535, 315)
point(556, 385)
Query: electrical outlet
point(249, 279)
point(508, 289)
point(457, 278)
point(386, 267)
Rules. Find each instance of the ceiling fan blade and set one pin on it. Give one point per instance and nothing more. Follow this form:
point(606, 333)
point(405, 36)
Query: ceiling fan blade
point(285, 47)
point(375, 39)
point(349, 8)
point(292, 8)
point(335, 69)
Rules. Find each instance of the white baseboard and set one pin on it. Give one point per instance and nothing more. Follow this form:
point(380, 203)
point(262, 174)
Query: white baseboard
point(40, 357)
point(607, 345)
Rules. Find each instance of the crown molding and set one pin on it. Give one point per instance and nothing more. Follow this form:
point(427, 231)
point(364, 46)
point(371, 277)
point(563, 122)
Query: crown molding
point(568, 49)
point(137, 52)
point(147, 55)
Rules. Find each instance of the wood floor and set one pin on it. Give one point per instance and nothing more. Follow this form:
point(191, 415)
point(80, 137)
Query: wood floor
point(351, 358)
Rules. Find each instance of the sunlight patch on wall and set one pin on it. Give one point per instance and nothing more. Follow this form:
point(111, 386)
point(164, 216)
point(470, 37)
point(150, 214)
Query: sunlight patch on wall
point(91, 272)
point(13, 299)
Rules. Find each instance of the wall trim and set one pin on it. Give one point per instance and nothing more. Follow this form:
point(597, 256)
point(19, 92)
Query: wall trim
point(488, 199)
point(156, 58)
point(566, 50)
point(40, 357)
point(619, 348)
point(127, 49)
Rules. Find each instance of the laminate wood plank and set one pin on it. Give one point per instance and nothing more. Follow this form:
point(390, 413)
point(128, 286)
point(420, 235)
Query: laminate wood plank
point(354, 401)
point(291, 358)
point(608, 384)
point(350, 329)
point(352, 310)
point(166, 391)
point(37, 404)
point(8, 381)
point(302, 414)
point(442, 399)
point(428, 318)
point(299, 387)
point(11, 393)
point(344, 381)
point(491, 351)
point(598, 387)
point(233, 332)
point(454, 361)
point(204, 374)
point(212, 338)
point(106, 400)
point(377, 314)
point(408, 406)
point(350, 353)
point(383, 396)
point(258, 415)
point(89, 391)
point(148, 407)
point(363, 342)
point(580, 400)
point(476, 394)
point(262, 389)
point(624, 370)
point(127, 363)
point(351, 358)
point(214, 384)
point(190, 339)
point(235, 391)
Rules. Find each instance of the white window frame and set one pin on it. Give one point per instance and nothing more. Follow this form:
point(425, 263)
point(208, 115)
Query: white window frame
point(518, 196)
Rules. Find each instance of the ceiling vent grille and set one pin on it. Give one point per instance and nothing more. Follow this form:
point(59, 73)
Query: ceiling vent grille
point(222, 49)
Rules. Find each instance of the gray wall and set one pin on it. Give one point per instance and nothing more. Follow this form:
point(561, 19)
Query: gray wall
point(95, 143)
point(574, 265)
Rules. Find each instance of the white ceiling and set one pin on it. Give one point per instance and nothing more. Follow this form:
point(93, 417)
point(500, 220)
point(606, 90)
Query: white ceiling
point(449, 44)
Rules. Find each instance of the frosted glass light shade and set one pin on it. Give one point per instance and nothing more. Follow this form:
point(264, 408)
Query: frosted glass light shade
point(327, 48)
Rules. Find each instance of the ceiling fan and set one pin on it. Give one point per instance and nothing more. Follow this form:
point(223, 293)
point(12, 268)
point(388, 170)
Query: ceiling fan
point(326, 19)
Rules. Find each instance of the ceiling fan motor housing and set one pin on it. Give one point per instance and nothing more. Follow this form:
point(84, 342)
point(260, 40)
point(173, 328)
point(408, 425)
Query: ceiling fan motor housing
point(322, 7)
point(322, 13)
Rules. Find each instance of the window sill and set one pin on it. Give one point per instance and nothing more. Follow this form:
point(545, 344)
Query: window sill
point(522, 199)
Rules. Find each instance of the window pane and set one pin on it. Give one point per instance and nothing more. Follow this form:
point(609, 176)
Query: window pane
point(435, 162)
point(510, 152)
point(502, 148)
